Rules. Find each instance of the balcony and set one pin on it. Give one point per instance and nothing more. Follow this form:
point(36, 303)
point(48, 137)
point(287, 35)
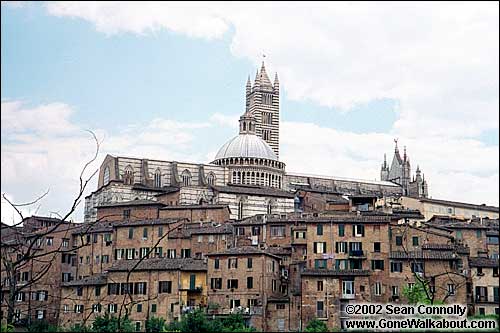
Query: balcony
point(357, 254)
point(321, 314)
point(299, 241)
point(192, 290)
point(348, 296)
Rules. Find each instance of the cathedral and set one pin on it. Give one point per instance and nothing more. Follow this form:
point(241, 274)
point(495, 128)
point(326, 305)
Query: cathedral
point(400, 173)
point(246, 174)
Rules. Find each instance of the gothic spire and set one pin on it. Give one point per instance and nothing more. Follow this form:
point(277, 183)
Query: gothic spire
point(276, 81)
point(263, 78)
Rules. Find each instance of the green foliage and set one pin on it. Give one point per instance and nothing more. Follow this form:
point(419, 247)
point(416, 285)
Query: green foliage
point(6, 328)
point(155, 324)
point(197, 321)
point(107, 324)
point(42, 326)
point(417, 294)
point(80, 328)
point(316, 325)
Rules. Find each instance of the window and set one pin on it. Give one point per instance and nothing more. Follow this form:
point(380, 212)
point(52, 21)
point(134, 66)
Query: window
point(40, 314)
point(341, 247)
point(131, 233)
point(341, 264)
point(145, 233)
point(126, 214)
point(274, 285)
point(249, 263)
point(358, 230)
point(165, 287)
point(160, 231)
point(94, 238)
point(451, 289)
point(395, 291)
point(140, 288)
point(186, 178)
point(127, 288)
point(153, 308)
point(20, 297)
point(105, 177)
point(216, 263)
point(249, 282)
point(319, 247)
point(378, 265)
point(495, 271)
point(211, 179)
point(255, 231)
point(98, 290)
point(417, 267)
point(43, 295)
point(105, 259)
point(97, 259)
point(411, 285)
point(96, 308)
point(347, 288)
point(112, 308)
point(210, 238)
point(171, 253)
point(79, 308)
point(480, 271)
point(320, 263)
point(185, 253)
point(107, 239)
point(232, 284)
point(399, 240)
point(319, 229)
point(232, 263)
point(128, 176)
point(278, 231)
point(396, 267)
point(234, 303)
point(200, 238)
point(478, 233)
point(252, 302)
point(240, 210)
point(376, 247)
point(79, 291)
point(50, 241)
point(130, 254)
point(113, 288)
point(320, 309)
point(481, 311)
point(320, 285)
point(158, 252)
point(65, 242)
point(341, 230)
point(157, 178)
point(415, 241)
point(496, 297)
point(137, 326)
point(65, 308)
point(377, 289)
point(25, 276)
point(300, 235)
point(216, 283)
point(459, 234)
point(139, 307)
point(280, 306)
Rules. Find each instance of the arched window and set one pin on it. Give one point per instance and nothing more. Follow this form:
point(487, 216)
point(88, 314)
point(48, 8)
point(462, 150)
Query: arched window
point(186, 178)
point(211, 178)
point(158, 178)
point(128, 177)
point(105, 179)
point(240, 209)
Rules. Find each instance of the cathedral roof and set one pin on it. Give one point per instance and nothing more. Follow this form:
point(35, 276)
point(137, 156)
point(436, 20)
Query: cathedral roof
point(246, 145)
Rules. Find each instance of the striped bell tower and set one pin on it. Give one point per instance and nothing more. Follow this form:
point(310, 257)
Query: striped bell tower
point(263, 102)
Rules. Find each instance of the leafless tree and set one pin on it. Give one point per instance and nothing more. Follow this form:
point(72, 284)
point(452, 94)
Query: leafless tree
point(19, 246)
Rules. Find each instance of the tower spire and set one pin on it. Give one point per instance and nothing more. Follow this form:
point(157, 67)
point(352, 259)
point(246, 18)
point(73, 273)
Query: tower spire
point(276, 81)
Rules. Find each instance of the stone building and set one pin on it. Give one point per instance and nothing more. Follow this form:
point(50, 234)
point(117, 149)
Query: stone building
point(246, 173)
point(400, 173)
point(484, 273)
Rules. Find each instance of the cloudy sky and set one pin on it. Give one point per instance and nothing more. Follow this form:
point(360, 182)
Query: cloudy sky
point(166, 81)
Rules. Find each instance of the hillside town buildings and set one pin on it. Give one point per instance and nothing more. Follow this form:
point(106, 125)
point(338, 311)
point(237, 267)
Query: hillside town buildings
point(242, 235)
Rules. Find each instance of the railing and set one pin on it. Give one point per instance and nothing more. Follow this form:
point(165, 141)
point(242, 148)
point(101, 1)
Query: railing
point(348, 296)
point(321, 313)
point(356, 253)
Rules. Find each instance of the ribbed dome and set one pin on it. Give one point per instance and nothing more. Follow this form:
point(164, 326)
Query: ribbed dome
point(246, 145)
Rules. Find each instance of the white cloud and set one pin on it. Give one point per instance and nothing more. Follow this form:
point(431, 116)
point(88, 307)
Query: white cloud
point(43, 148)
point(439, 60)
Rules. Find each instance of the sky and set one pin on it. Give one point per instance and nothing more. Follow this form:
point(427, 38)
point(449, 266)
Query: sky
point(167, 81)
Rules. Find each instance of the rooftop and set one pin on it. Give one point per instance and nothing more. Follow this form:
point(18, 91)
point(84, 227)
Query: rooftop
point(137, 202)
point(483, 262)
point(159, 264)
point(244, 250)
point(255, 190)
point(93, 280)
point(335, 272)
point(461, 204)
point(425, 255)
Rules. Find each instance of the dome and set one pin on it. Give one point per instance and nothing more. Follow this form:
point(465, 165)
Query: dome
point(246, 145)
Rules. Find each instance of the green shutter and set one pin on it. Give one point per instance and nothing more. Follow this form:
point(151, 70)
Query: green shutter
point(192, 281)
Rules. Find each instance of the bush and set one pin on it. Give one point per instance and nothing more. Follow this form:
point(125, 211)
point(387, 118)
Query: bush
point(42, 326)
point(107, 324)
point(155, 324)
point(6, 328)
point(316, 325)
